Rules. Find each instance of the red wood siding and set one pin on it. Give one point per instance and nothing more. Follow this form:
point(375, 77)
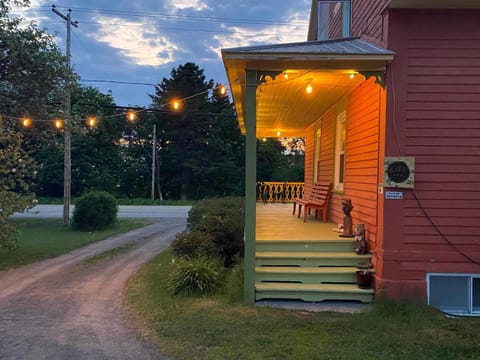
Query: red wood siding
point(362, 154)
point(436, 82)
point(309, 158)
point(368, 20)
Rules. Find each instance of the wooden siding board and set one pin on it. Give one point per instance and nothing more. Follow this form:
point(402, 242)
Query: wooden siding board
point(436, 76)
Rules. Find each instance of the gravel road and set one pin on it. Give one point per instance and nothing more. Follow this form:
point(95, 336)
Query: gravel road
point(65, 308)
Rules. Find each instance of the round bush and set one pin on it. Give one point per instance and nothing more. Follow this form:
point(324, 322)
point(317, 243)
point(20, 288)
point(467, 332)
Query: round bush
point(194, 244)
point(95, 211)
point(197, 276)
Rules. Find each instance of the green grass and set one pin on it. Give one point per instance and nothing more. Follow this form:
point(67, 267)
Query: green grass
point(46, 238)
point(120, 201)
point(220, 327)
point(107, 255)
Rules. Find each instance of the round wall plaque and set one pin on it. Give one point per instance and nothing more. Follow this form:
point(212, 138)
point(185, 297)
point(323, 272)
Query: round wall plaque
point(398, 171)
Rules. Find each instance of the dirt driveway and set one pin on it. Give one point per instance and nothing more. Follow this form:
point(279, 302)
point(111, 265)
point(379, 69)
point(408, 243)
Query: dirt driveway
point(66, 308)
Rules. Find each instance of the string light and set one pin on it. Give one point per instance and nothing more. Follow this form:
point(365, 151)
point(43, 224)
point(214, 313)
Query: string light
point(176, 104)
point(26, 122)
point(92, 121)
point(222, 90)
point(131, 115)
point(58, 123)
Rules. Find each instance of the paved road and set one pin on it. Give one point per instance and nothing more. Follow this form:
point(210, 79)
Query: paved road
point(134, 211)
point(63, 308)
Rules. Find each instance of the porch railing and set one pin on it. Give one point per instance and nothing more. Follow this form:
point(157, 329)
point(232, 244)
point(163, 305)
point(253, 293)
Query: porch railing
point(271, 191)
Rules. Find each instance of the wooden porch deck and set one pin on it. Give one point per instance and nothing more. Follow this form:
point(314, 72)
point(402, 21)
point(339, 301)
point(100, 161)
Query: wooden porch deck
point(276, 222)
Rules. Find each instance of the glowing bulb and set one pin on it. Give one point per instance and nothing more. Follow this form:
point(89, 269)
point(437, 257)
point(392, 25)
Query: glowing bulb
point(58, 124)
point(92, 121)
point(176, 104)
point(309, 89)
point(26, 121)
point(352, 75)
point(222, 90)
point(278, 133)
point(264, 139)
point(132, 115)
point(285, 76)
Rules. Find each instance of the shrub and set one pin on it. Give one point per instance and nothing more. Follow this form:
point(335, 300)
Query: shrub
point(197, 276)
point(95, 211)
point(224, 220)
point(194, 244)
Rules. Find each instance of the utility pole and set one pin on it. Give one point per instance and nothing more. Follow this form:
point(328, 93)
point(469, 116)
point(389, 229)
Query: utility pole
point(154, 155)
point(67, 162)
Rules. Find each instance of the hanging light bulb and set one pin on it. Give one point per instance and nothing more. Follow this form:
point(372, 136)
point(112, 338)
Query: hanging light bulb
point(26, 122)
point(352, 75)
point(92, 121)
point(279, 133)
point(131, 115)
point(58, 124)
point(176, 104)
point(222, 90)
point(309, 88)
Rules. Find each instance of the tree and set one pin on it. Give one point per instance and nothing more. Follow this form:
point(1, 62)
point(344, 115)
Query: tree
point(96, 159)
point(16, 175)
point(200, 145)
point(33, 70)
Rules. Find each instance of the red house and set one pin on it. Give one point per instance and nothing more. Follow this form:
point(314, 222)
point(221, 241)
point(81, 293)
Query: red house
point(393, 122)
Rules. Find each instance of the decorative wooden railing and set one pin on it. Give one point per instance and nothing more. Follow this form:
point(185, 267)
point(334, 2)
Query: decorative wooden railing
point(271, 191)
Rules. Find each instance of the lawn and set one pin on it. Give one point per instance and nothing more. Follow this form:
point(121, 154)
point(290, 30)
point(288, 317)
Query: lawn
point(40, 239)
point(220, 327)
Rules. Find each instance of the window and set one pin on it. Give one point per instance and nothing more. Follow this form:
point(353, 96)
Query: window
point(457, 294)
point(340, 139)
point(334, 19)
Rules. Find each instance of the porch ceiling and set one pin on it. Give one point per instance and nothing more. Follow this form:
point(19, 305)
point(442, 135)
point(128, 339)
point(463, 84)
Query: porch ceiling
point(283, 105)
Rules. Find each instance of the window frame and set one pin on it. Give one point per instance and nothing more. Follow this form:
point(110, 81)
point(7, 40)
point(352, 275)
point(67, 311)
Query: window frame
point(472, 309)
point(340, 147)
point(323, 22)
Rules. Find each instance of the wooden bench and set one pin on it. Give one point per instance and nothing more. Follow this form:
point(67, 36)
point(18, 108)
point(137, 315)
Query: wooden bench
point(317, 200)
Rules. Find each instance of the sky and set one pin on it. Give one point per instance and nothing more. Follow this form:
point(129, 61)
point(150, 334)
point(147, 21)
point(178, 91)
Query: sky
point(141, 41)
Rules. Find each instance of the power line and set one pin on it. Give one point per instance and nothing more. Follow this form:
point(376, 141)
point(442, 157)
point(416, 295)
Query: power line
point(116, 82)
point(176, 17)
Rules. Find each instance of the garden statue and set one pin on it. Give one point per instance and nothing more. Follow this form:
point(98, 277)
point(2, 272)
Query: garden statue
point(360, 241)
point(347, 219)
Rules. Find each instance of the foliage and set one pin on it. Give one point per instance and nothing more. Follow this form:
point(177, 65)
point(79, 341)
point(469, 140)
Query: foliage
point(277, 161)
point(218, 328)
point(191, 244)
point(224, 220)
point(16, 175)
point(196, 276)
point(33, 71)
point(95, 211)
point(201, 148)
point(46, 238)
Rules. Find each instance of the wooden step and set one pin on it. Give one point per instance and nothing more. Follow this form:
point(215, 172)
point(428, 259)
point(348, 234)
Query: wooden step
point(306, 275)
point(310, 259)
point(339, 245)
point(313, 292)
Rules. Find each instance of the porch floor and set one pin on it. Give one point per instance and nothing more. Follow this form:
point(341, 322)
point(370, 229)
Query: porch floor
point(276, 222)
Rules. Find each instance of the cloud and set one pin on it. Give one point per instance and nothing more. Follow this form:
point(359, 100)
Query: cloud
point(138, 41)
point(176, 5)
point(291, 31)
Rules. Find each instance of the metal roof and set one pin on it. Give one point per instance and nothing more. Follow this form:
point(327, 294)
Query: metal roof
point(345, 46)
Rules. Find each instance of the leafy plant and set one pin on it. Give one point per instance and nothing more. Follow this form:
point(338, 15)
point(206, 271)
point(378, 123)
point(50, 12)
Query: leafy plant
point(224, 220)
point(95, 211)
point(194, 244)
point(197, 276)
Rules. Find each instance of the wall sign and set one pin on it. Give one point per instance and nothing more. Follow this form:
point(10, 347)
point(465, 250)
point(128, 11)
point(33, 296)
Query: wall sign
point(399, 172)
point(393, 195)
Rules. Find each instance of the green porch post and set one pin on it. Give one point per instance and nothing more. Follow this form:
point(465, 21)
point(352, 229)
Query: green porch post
point(250, 185)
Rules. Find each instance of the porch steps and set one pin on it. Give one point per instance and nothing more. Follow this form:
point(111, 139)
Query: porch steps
point(313, 292)
point(309, 270)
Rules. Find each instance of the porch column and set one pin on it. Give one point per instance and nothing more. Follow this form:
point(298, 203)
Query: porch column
point(250, 185)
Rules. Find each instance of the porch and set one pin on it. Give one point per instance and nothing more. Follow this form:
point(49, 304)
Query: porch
point(304, 261)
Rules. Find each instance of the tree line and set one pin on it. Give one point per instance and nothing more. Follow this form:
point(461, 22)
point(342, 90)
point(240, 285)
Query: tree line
point(199, 148)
